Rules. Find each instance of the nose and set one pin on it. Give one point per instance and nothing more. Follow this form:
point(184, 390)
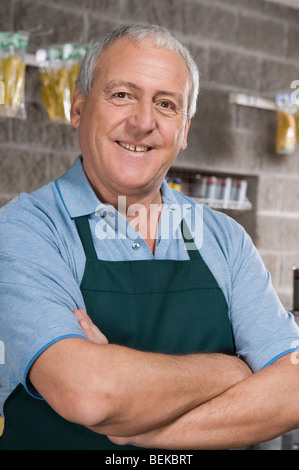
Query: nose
point(142, 117)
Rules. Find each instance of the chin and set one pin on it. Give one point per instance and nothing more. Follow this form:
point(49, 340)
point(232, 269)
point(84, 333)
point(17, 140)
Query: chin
point(131, 186)
point(135, 180)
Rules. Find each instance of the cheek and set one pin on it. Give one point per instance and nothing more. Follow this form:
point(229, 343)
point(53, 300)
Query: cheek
point(178, 138)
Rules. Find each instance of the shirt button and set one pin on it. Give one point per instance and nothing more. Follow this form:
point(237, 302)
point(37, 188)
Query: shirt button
point(136, 246)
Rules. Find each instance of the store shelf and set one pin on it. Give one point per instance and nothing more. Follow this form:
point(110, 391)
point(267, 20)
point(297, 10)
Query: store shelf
point(230, 205)
point(252, 101)
point(219, 191)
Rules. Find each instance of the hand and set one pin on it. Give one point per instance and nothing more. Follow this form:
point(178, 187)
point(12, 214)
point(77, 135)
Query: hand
point(91, 331)
point(148, 440)
point(124, 441)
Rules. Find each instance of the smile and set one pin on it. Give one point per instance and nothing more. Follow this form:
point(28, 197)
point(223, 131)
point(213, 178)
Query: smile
point(134, 148)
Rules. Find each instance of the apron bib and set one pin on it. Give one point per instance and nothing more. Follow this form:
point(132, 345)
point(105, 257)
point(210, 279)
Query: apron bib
point(165, 306)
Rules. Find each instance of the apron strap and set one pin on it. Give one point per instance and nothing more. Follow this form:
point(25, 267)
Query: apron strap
point(83, 227)
point(189, 242)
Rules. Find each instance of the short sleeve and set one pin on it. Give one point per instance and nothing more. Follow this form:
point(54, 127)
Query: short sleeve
point(38, 291)
point(263, 329)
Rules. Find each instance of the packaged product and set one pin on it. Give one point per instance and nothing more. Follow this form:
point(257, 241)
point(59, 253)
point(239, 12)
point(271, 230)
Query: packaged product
point(286, 133)
point(13, 47)
point(58, 75)
point(175, 183)
point(286, 126)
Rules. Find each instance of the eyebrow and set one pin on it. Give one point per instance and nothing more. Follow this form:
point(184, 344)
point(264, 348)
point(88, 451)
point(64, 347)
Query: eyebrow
point(119, 83)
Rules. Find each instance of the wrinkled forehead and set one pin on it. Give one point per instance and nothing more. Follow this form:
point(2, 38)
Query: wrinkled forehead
point(126, 55)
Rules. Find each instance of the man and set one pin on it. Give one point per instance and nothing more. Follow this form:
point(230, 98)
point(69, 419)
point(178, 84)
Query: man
point(173, 296)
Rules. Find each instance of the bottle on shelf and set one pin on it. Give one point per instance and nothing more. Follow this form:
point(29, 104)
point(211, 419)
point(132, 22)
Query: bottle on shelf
point(226, 192)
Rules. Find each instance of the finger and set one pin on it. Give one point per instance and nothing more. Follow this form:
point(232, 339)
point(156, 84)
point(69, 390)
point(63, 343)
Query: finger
point(122, 441)
point(81, 314)
point(77, 312)
point(92, 333)
point(84, 313)
point(90, 330)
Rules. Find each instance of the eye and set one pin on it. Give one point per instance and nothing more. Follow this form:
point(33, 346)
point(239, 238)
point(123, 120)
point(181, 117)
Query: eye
point(121, 95)
point(167, 105)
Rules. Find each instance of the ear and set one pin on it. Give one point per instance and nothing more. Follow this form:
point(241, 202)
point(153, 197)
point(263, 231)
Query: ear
point(76, 107)
point(186, 130)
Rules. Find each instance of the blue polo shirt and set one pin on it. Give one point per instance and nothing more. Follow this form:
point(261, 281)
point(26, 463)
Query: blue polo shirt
point(42, 263)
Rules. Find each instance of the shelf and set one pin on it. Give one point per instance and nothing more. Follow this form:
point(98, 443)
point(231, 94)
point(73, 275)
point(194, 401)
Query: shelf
point(224, 191)
point(230, 205)
point(252, 101)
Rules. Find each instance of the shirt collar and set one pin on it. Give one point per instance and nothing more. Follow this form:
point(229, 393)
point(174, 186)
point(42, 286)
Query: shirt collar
point(80, 199)
point(76, 192)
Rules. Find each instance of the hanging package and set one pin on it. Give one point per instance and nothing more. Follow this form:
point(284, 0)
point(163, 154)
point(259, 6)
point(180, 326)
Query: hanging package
point(58, 75)
point(13, 47)
point(286, 133)
point(286, 125)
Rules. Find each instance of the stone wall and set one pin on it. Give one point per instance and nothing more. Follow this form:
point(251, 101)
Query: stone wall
point(248, 46)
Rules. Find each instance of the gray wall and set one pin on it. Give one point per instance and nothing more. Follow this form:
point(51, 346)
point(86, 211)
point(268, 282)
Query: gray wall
point(249, 46)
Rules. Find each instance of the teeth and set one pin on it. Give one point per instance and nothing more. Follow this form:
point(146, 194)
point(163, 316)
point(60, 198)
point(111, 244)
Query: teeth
point(133, 148)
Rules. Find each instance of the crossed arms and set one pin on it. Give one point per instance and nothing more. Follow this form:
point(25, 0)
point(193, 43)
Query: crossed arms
point(196, 401)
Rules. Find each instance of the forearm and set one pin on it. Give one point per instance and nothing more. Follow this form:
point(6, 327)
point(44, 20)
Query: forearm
point(150, 390)
point(118, 390)
point(256, 410)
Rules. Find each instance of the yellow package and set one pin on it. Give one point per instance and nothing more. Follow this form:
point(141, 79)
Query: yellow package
point(47, 94)
point(58, 80)
point(72, 77)
point(2, 92)
point(61, 94)
point(55, 94)
point(286, 133)
point(12, 73)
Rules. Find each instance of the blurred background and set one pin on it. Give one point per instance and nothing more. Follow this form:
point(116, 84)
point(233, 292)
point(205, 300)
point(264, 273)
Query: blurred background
point(247, 52)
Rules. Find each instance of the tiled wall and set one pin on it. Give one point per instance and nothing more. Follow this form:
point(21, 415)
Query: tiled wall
point(250, 46)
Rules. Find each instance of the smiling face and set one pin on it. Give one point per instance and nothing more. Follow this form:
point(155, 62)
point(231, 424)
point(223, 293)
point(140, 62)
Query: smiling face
point(133, 123)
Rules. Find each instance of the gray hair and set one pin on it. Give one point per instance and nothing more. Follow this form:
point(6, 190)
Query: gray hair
point(139, 32)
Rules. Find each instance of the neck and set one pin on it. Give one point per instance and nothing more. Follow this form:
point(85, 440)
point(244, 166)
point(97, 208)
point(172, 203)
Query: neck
point(142, 209)
point(128, 204)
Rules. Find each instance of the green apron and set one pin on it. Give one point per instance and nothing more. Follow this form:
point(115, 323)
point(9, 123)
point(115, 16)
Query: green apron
point(166, 306)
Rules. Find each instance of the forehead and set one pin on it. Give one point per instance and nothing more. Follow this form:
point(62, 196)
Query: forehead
point(143, 63)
